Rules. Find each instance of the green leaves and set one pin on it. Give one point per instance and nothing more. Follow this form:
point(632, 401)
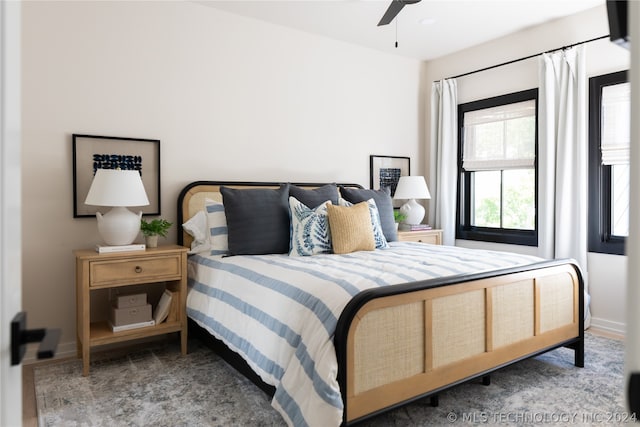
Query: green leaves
point(155, 227)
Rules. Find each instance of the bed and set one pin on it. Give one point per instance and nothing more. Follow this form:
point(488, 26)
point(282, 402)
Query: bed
point(378, 328)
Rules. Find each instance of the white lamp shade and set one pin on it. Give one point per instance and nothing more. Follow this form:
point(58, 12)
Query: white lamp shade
point(116, 187)
point(412, 187)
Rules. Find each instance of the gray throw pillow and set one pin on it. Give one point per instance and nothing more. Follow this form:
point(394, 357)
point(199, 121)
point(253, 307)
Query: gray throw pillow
point(385, 207)
point(257, 220)
point(312, 198)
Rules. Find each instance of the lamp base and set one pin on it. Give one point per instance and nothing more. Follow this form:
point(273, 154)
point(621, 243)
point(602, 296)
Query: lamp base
point(413, 211)
point(119, 226)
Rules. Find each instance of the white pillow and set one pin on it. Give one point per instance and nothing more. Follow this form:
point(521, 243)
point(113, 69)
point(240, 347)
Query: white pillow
point(197, 228)
point(310, 233)
point(217, 227)
point(378, 235)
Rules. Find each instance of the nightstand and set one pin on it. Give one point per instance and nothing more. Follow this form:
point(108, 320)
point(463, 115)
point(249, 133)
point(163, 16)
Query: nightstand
point(433, 237)
point(164, 265)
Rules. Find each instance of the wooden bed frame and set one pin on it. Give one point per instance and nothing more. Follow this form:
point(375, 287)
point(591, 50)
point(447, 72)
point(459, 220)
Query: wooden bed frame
point(401, 343)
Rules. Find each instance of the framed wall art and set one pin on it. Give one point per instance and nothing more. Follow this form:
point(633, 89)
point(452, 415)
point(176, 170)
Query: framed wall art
point(387, 170)
point(91, 152)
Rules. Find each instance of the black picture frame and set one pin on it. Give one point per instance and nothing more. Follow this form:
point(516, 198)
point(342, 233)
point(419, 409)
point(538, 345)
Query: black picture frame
point(91, 152)
point(385, 171)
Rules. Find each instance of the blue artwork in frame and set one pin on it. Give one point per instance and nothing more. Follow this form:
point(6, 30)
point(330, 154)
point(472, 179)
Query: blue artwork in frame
point(387, 170)
point(93, 152)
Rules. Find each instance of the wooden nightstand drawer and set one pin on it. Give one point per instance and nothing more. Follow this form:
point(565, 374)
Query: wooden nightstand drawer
point(433, 237)
point(141, 270)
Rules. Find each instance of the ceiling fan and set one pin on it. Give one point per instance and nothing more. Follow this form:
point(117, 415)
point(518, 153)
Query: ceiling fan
point(394, 8)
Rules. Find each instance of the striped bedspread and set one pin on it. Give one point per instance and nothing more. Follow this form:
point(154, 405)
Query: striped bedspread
point(280, 312)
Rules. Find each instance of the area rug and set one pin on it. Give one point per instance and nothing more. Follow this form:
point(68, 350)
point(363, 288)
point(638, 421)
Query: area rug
point(159, 387)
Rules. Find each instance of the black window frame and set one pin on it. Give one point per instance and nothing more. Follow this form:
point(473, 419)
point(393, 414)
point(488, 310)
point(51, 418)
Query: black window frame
point(464, 229)
point(600, 239)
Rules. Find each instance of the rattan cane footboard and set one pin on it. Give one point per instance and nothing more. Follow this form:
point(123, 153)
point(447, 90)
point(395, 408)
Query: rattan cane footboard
point(395, 347)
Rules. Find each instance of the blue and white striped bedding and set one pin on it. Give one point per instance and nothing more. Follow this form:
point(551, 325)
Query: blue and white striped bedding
point(280, 312)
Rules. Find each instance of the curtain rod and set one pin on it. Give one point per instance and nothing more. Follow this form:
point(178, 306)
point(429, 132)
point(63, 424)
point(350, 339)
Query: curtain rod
point(526, 57)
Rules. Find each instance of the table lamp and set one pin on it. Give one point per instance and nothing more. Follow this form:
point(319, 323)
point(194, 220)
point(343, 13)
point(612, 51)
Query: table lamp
point(412, 188)
point(117, 188)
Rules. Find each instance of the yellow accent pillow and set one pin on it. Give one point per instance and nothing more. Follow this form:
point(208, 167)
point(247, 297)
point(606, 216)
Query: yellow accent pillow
point(351, 228)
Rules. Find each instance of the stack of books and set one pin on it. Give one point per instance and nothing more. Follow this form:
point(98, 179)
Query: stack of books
point(130, 312)
point(416, 227)
point(103, 249)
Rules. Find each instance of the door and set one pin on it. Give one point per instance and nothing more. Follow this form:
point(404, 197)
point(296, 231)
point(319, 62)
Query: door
point(632, 341)
point(10, 246)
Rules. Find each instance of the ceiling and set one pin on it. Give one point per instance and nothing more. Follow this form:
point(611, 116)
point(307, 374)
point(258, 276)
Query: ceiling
point(426, 30)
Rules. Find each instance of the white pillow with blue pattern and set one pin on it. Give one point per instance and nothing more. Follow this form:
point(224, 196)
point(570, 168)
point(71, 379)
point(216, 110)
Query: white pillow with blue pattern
point(310, 233)
point(378, 235)
point(217, 227)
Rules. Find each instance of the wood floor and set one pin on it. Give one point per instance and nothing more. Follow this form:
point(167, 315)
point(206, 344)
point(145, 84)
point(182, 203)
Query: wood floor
point(29, 410)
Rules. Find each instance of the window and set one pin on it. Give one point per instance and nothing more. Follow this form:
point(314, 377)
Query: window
point(609, 135)
point(497, 191)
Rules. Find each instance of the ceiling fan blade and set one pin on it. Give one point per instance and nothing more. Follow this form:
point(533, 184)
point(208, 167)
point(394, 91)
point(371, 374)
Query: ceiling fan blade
point(394, 8)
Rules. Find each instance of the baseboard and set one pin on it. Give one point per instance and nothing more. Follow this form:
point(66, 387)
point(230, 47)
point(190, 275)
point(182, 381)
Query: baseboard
point(617, 328)
point(69, 350)
point(64, 350)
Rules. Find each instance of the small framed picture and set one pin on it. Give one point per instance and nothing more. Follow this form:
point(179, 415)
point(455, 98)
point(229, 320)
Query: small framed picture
point(387, 170)
point(91, 152)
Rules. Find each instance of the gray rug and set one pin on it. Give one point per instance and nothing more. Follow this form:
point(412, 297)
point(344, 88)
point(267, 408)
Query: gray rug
point(161, 388)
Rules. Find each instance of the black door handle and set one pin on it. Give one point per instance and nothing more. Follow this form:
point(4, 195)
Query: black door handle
point(633, 393)
point(20, 336)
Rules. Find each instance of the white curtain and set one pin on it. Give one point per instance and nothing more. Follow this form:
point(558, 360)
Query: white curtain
point(444, 158)
point(562, 165)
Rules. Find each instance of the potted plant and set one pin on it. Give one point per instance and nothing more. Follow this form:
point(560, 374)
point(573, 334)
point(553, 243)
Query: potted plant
point(398, 217)
point(151, 230)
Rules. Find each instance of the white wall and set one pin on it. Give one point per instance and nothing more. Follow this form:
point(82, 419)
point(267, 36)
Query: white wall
point(230, 98)
point(607, 273)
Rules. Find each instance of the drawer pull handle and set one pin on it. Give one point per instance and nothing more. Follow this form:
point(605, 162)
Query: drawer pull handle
point(138, 269)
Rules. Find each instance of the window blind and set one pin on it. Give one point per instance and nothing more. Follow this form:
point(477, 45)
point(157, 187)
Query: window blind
point(616, 124)
point(500, 138)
